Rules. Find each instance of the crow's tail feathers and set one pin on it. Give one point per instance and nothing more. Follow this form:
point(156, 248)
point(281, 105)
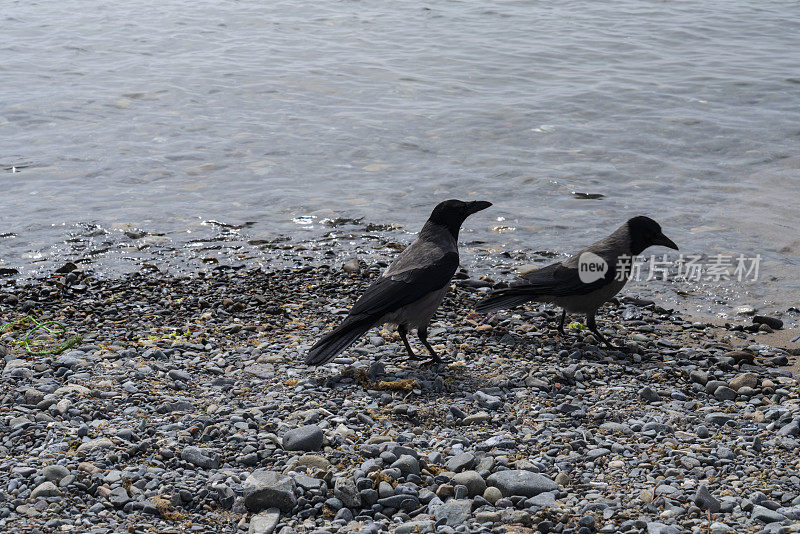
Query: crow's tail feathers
point(334, 342)
point(503, 299)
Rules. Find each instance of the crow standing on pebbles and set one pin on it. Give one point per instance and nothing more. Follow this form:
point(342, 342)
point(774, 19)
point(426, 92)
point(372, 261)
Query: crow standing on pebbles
point(585, 281)
point(408, 293)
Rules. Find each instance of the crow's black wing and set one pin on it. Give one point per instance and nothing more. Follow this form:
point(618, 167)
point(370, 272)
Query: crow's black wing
point(555, 280)
point(389, 293)
point(559, 280)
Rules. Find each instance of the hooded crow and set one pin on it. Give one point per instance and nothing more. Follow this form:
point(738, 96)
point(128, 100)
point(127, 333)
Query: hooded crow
point(408, 293)
point(585, 281)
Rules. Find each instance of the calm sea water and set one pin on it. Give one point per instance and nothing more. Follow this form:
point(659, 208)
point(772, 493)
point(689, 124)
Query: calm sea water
point(125, 127)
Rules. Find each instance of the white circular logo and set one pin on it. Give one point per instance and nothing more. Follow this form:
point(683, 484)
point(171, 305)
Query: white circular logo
point(591, 267)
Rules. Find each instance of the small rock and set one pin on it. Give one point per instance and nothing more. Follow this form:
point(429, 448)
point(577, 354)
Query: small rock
point(740, 356)
point(699, 376)
point(724, 393)
point(453, 513)
point(476, 419)
point(304, 438)
point(772, 322)
point(351, 266)
point(55, 473)
point(345, 490)
point(422, 526)
point(265, 522)
point(515, 482)
point(492, 494)
point(718, 418)
point(705, 500)
point(203, 458)
point(265, 489)
point(648, 395)
point(445, 491)
point(94, 445)
point(407, 465)
point(315, 461)
point(542, 500)
point(749, 380)
point(765, 515)
point(45, 489)
point(490, 402)
point(792, 428)
point(472, 480)
point(460, 462)
point(655, 527)
point(119, 497)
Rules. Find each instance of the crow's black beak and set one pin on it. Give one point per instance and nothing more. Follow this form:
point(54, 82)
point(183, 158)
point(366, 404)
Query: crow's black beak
point(664, 241)
point(476, 206)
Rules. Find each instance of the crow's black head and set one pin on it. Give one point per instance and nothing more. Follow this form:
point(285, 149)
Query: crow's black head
point(451, 213)
point(645, 232)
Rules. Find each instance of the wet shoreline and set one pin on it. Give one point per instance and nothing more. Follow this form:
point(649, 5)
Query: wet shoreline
point(123, 249)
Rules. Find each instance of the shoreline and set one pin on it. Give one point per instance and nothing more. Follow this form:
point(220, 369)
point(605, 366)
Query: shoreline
point(186, 408)
point(337, 240)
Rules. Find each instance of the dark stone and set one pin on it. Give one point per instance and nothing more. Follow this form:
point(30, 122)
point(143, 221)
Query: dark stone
point(772, 322)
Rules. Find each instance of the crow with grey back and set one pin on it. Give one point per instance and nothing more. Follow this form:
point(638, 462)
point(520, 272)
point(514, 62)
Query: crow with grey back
point(408, 293)
point(562, 283)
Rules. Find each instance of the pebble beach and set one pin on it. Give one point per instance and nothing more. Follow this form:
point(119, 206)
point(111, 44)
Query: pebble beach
point(185, 407)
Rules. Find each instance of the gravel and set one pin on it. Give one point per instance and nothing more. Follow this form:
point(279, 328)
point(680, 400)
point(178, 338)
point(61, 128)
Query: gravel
point(186, 408)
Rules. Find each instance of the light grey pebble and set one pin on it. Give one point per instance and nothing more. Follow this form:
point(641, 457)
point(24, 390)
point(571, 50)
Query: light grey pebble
point(472, 480)
point(345, 490)
point(765, 515)
point(264, 489)
point(647, 394)
point(45, 489)
point(55, 473)
point(265, 522)
point(201, 457)
point(453, 513)
point(521, 483)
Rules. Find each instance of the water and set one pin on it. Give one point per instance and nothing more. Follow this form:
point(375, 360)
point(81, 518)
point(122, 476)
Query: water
point(126, 127)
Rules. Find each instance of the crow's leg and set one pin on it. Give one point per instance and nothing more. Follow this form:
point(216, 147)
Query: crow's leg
point(422, 334)
point(401, 329)
point(561, 323)
point(593, 327)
